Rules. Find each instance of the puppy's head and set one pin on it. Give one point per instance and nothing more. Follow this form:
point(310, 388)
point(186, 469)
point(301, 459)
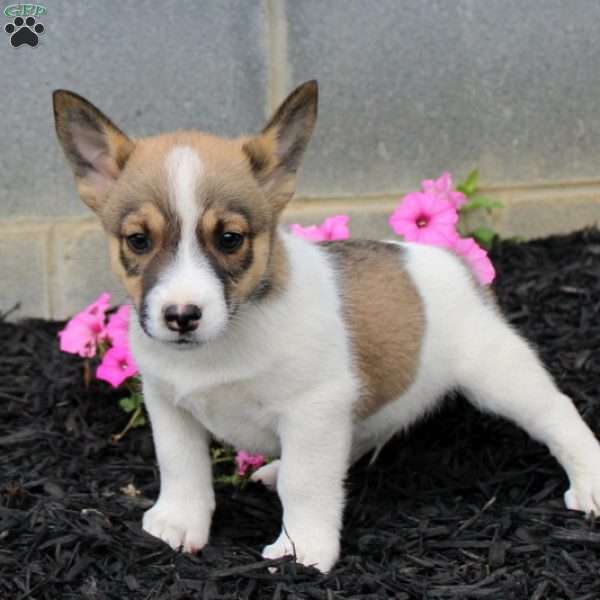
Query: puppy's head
point(191, 218)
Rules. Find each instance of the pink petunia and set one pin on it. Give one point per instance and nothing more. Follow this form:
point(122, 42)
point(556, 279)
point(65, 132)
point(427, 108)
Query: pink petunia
point(116, 366)
point(423, 218)
point(332, 228)
point(117, 328)
point(99, 307)
point(312, 233)
point(336, 227)
point(477, 258)
point(246, 461)
point(441, 189)
point(83, 332)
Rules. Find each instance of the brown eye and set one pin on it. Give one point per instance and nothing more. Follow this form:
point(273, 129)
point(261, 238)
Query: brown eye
point(139, 243)
point(229, 242)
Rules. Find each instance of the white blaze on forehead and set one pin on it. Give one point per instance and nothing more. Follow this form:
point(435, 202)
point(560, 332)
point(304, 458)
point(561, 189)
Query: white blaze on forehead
point(184, 171)
point(190, 278)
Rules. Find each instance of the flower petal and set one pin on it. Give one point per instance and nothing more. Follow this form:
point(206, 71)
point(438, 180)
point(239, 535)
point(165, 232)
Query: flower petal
point(311, 233)
point(116, 366)
point(246, 461)
point(477, 258)
point(82, 333)
point(336, 227)
point(100, 306)
point(117, 328)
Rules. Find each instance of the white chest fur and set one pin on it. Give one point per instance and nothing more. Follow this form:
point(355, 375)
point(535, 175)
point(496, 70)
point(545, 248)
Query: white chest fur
point(239, 385)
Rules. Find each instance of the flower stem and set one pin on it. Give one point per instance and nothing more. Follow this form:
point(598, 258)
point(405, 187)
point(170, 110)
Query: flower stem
point(117, 437)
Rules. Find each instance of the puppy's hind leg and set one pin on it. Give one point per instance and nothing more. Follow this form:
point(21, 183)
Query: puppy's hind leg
point(502, 374)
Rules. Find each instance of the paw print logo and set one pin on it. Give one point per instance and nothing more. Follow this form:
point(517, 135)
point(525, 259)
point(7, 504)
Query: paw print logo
point(24, 31)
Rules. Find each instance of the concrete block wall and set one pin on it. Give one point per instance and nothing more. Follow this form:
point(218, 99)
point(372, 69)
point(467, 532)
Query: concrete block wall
point(408, 89)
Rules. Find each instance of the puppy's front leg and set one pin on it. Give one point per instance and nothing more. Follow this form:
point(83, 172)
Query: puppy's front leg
point(182, 514)
point(315, 450)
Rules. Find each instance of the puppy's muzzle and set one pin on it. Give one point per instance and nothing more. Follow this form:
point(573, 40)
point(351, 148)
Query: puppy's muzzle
point(182, 319)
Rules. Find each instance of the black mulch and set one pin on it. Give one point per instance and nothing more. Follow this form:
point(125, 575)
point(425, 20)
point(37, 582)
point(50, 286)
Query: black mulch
point(464, 506)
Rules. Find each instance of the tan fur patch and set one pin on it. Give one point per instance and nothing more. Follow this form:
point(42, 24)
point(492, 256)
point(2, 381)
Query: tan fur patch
point(279, 185)
point(133, 285)
point(129, 266)
point(147, 216)
point(258, 267)
point(268, 272)
point(384, 314)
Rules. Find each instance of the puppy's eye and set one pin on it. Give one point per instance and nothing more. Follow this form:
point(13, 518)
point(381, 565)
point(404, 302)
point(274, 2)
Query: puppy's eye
point(139, 243)
point(229, 242)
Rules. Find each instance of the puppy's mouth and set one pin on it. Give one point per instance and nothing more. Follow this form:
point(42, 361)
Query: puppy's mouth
point(185, 343)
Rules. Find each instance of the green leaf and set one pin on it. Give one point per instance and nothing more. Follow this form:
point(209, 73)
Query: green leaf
point(481, 202)
point(222, 454)
point(128, 404)
point(469, 185)
point(484, 236)
point(138, 397)
point(234, 479)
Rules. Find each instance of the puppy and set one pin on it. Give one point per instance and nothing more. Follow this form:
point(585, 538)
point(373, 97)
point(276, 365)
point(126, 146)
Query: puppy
point(314, 353)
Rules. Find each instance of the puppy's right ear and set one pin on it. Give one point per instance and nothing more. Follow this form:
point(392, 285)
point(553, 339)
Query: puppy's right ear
point(96, 148)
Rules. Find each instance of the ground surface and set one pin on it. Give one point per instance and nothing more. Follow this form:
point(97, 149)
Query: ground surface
point(464, 506)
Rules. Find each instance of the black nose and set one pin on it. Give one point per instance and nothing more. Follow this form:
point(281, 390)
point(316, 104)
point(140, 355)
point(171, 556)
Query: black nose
point(182, 318)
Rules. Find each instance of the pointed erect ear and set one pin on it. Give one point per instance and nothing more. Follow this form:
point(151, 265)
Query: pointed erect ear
point(96, 148)
point(276, 153)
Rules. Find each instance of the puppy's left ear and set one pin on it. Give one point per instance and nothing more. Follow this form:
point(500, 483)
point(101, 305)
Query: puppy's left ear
point(275, 154)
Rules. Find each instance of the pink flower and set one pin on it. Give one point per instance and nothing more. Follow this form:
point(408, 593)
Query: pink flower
point(421, 217)
point(311, 233)
point(116, 366)
point(246, 461)
point(477, 258)
point(332, 228)
point(442, 190)
point(85, 329)
point(117, 328)
point(336, 227)
point(100, 306)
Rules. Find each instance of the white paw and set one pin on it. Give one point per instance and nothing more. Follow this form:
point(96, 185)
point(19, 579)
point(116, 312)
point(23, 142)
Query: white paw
point(267, 475)
point(317, 550)
point(179, 525)
point(584, 495)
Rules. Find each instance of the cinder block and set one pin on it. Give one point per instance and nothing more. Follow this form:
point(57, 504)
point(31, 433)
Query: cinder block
point(23, 270)
point(151, 67)
point(409, 89)
point(81, 268)
point(539, 217)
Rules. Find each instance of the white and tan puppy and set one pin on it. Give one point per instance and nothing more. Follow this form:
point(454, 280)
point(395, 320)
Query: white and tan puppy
point(312, 353)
